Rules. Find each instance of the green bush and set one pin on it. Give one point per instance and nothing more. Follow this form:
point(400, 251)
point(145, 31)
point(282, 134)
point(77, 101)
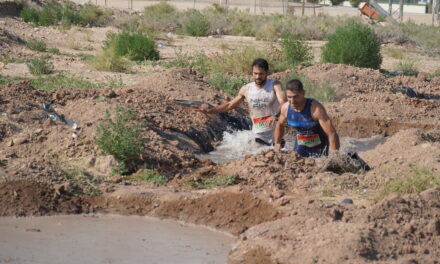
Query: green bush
point(323, 92)
point(353, 44)
point(406, 67)
point(336, 2)
point(108, 60)
point(40, 65)
point(92, 15)
point(418, 180)
point(228, 84)
point(136, 46)
point(121, 137)
point(296, 51)
point(355, 3)
point(36, 45)
point(196, 24)
point(54, 51)
point(29, 14)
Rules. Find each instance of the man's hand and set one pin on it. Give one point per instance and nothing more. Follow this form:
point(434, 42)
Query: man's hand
point(202, 109)
point(277, 147)
point(270, 121)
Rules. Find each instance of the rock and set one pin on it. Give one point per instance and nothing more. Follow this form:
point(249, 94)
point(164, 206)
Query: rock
point(90, 161)
point(20, 140)
point(10, 143)
point(105, 164)
point(258, 164)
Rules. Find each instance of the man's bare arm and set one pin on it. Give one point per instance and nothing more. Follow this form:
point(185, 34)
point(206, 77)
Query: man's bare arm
point(226, 106)
point(320, 114)
point(279, 128)
point(279, 92)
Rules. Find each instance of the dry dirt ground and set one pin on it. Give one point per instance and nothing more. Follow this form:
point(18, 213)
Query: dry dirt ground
point(283, 208)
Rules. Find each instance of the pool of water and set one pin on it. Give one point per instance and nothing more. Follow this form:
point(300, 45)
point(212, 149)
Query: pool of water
point(109, 239)
point(237, 144)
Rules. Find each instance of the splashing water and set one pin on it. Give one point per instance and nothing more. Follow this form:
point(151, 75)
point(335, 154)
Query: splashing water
point(235, 145)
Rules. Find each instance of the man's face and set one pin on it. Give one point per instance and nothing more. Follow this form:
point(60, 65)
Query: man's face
point(259, 75)
point(295, 99)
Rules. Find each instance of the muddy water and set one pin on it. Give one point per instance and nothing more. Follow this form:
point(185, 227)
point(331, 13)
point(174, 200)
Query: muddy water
point(108, 239)
point(238, 144)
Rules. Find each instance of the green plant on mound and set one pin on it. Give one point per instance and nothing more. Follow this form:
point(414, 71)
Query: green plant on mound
point(136, 46)
point(83, 182)
point(322, 92)
point(40, 65)
point(92, 15)
point(121, 137)
point(418, 180)
point(149, 176)
point(353, 44)
point(226, 83)
point(296, 51)
point(355, 3)
point(213, 182)
point(406, 67)
point(108, 60)
point(36, 45)
point(196, 24)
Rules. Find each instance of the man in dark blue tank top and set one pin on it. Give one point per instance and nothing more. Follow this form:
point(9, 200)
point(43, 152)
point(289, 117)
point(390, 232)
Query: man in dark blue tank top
point(316, 134)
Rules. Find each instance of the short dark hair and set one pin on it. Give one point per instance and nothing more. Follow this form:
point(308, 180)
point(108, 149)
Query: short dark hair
point(294, 85)
point(261, 63)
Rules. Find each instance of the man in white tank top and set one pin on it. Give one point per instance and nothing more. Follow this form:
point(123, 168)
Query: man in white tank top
point(264, 97)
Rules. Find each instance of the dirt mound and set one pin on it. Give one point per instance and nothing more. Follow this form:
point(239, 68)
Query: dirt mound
point(393, 158)
point(406, 227)
point(25, 198)
point(234, 212)
point(394, 231)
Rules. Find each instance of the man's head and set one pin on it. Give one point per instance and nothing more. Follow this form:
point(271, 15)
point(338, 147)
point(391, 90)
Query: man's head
point(260, 68)
point(295, 93)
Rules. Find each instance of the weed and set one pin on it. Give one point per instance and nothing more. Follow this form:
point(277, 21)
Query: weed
point(353, 44)
point(323, 92)
point(406, 67)
point(85, 56)
point(92, 15)
point(108, 60)
point(328, 193)
point(418, 180)
point(6, 79)
point(11, 59)
point(198, 61)
point(54, 51)
point(435, 74)
point(83, 182)
point(149, 176)
point(228, 84)
point(296, 51)
point(196, 24)
point(395, 53)
point(137, 46)
point(36, 45)
point(121, 137)
point(40, 65)
point(209, 183)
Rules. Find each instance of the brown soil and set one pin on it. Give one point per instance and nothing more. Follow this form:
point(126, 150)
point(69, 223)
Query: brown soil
point(285, 209)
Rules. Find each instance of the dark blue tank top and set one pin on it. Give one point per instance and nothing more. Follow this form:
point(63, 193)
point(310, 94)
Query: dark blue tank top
point(311, 139)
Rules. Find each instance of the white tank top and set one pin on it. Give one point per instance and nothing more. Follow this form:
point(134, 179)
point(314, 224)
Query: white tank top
point(262, 104)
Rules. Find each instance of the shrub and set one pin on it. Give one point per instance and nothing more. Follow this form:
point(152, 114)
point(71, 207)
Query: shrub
point(161, 17)
point(322, 92)
point(92, 15)
point(137, 46)
point(395, 53)
point(354, 44)
point(108, 60)
point(121, 137)
point(336, 2)
point(54, 51)
point(149, 176)
point(418, 180)
point(228, 84)
point(29, 14)
point(36, 45)
point(198, 61)
point(296, 51)
point(40, 65)
point(355, 3)
point(406, 67)
point(196, 24)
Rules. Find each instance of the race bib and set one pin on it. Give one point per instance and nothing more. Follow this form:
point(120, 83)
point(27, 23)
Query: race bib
point(259, 126)
point(309, 141)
